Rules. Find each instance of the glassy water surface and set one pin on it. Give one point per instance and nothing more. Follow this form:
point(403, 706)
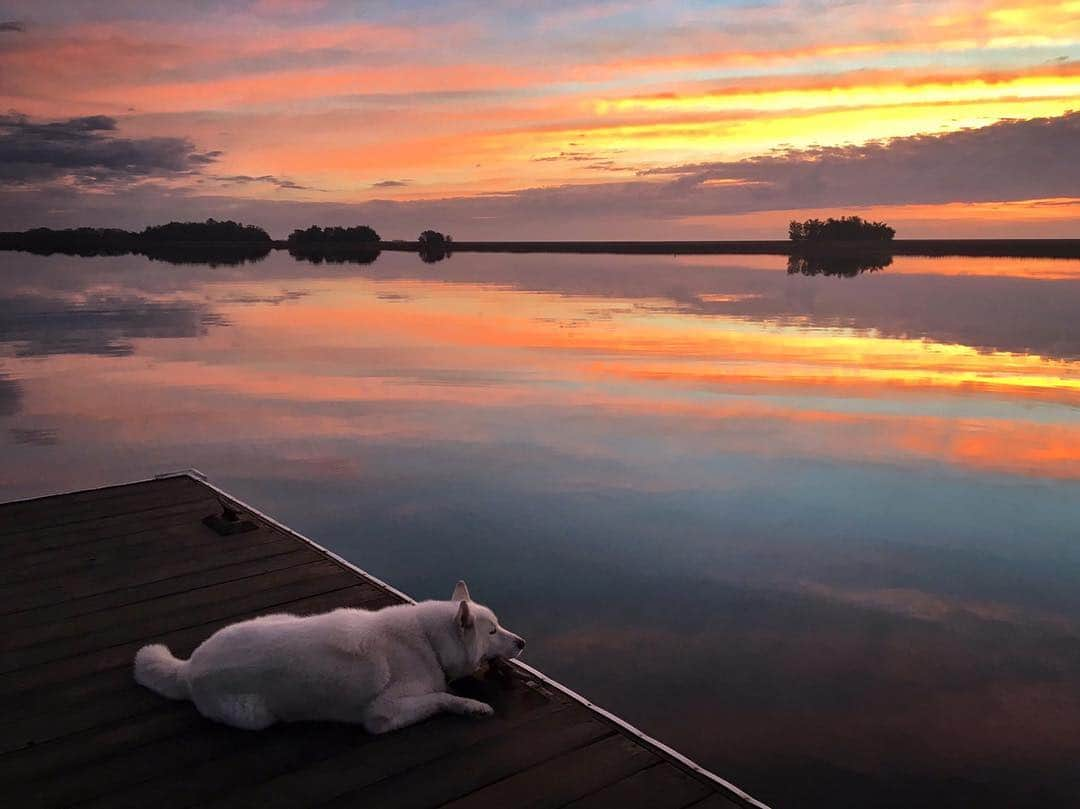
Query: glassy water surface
point(819, 533)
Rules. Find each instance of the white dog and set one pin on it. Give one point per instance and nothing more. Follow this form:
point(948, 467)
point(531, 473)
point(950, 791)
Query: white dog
point(384, 669)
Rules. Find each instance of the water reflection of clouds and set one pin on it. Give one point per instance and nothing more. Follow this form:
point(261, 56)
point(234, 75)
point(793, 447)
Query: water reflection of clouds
point(39, 326)
point(851, 553)
point(1019, 305)
point(35, 436)
point(776, 684)
point(10, 395)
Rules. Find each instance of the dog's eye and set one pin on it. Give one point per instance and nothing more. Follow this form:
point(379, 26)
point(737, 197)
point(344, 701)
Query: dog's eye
point(493, 630)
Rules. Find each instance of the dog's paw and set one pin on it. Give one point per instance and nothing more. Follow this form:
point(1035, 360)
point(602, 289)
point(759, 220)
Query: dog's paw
point(473, 707)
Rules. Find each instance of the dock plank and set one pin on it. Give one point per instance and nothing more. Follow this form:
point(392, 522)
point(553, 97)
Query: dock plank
point(287, 555)
point(73, 526)
point(140, 529)
point(715, 802)
point(98, 628)
point(178, 612)
point(662, 786)
point(43, 511)
point(283, 750)
point(89, 583)
point(87, 578)
point(563, 778)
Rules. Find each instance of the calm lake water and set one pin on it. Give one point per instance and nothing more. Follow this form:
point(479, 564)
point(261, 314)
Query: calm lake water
point(820, 533)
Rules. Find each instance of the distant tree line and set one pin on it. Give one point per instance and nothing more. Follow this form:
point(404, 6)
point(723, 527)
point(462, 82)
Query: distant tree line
point(211, 230)
point(315, 236)
point(115, 240)
point(844, 229)
point(72, 241)
point(212, 241)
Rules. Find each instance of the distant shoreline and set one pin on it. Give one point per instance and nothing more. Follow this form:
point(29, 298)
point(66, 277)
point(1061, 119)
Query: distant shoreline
point(1001, 248)
point(131, 243)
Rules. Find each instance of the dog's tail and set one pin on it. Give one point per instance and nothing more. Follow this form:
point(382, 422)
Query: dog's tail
point(158, 670)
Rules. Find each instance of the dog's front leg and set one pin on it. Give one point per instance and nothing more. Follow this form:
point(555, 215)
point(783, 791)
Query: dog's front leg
point(386, 714)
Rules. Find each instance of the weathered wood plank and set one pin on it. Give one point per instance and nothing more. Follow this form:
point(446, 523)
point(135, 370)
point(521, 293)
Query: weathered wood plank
point(145, 528)
point(467, 769)
point(172, 614)
point(424, 765)
point(663, 786)
point(280, 750)
point(56, 757)
point(182, 542)
point(562, 779)
point(287, 555)
point(47, 506)
point(73, 526)
point(716, 801)
point(31, 595)
point(166, 783)
point(181, 520)
point(97, 629)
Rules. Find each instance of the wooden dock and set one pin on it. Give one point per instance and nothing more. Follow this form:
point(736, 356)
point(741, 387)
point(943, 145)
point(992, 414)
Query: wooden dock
point(89, 577)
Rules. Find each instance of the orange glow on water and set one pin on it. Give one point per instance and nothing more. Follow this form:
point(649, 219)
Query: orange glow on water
point(484, 353)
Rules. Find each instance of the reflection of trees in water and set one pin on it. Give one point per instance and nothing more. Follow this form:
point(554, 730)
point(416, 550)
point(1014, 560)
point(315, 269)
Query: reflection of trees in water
point(319, 254)
point(78, 250)
point(847, 266)
point(214, 255)
point(10, 395)
point(429, 255)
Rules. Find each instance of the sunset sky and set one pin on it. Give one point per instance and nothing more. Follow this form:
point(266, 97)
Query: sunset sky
point(543, 119)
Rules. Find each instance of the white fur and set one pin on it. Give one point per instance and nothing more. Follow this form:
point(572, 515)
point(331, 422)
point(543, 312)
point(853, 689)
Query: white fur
point(384, 669)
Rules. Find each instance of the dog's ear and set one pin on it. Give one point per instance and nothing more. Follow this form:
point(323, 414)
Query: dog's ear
point(464, 615)
point(461, 592)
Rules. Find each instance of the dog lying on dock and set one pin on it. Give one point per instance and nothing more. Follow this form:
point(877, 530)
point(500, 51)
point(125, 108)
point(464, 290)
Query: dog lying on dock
point(383, 670)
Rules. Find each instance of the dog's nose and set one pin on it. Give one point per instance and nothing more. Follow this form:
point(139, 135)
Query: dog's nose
point(519, 643)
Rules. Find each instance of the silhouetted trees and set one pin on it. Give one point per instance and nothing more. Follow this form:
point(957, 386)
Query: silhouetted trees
point(337, 245)
point(224, 232)
point(315, 235)
point(844, 229)
point(197, 242)
point(72, 241)
point(434, 246)
point(432, 238)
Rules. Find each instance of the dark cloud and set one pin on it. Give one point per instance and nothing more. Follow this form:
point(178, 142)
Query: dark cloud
point(86, 151)
point(598, 161)
point(1010, 160)
point(1006, 160)
point(390, 183)
point(12, 25)
point(279, 182)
